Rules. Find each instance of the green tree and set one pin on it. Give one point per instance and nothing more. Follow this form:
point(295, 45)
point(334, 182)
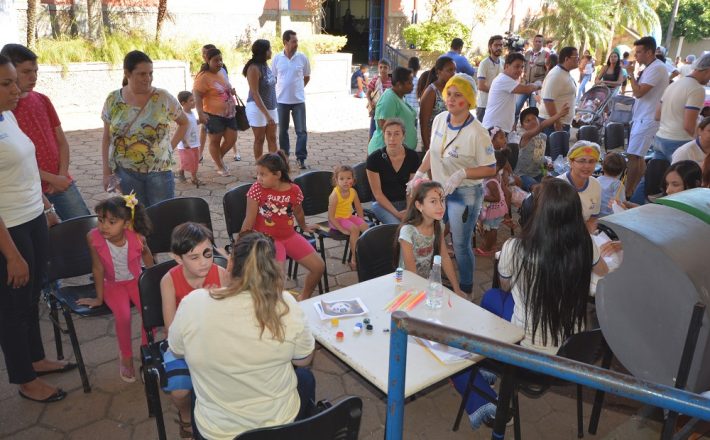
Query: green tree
point(435, 34)
point(576, 22)
point(637, 15)
point(692, 21)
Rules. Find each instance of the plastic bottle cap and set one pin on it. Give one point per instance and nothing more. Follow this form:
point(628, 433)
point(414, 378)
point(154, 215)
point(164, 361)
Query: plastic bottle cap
point(437, 259)
point(339, 336)
point(334, 322)
point(357, 329)
point(359, 325)
point(369, 327)
point(366, 320)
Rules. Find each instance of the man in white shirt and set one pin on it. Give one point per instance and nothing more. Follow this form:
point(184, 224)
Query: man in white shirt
point(670, 68)
point(292, 71)
point(560, 88)
point(648, 90)
point(488, 70)
point(679, 108)
point(500, 111)
point(686, 68)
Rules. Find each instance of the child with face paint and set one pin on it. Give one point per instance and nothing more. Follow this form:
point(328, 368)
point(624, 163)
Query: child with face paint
point(191, 246)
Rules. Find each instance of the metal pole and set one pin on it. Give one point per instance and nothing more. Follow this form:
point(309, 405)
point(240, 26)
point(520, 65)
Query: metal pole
point(395, 385)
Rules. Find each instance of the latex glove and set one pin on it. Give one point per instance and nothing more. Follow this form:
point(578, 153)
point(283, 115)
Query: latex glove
point(454, 181)
point(412, 183)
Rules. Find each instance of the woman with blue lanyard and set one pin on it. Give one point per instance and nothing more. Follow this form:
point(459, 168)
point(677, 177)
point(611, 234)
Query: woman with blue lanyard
point(460, 157)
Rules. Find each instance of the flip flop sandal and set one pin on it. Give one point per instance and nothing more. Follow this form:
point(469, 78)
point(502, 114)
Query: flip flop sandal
point(185, 427)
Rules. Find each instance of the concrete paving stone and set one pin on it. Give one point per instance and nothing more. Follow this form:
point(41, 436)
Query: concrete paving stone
point(77, 410)
point(100, 350)
point(104, 430)
point(373, 418)
point(129, 406)
point(347, 278)
point(532, 410)
point(38, 432)
point(326, 362)
point(18, 414)
point(420, 413)
point(328, 386)
point(355, 385)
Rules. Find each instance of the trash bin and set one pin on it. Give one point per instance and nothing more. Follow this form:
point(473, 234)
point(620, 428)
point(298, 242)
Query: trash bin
point(644, 307)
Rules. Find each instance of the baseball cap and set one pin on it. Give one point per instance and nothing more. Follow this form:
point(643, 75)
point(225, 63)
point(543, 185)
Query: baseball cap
point(530, 110)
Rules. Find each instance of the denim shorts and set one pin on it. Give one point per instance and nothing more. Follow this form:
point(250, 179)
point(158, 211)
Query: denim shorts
point(217, 124)
point(491, 224)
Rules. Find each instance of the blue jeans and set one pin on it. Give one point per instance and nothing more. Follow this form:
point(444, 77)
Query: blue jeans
point(501, 304)
point(462, 209)
point(384, 215)
point(583, 85)
point(69, 203)
point(664, 148)
point(150, 188)
point(528, 181)
point(299, 123)
point(521, 101)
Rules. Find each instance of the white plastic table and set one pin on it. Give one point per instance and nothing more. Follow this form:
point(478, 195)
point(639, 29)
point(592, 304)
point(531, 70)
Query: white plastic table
point(368, 352)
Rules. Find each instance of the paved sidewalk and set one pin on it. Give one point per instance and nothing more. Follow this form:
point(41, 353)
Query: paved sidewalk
point(116, 410)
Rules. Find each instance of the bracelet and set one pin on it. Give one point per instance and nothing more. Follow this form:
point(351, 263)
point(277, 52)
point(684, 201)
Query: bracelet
point(50, 210)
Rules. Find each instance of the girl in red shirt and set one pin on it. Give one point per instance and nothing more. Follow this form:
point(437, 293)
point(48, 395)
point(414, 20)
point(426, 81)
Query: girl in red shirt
point(273, 207)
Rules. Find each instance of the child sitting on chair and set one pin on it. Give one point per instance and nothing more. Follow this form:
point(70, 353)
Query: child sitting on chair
point(191, 246)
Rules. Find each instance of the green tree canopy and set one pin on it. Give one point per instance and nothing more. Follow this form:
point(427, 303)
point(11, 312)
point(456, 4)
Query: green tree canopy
point(436, 34)
point(692, 22)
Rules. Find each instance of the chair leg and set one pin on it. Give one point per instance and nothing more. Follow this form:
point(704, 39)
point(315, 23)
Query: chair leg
point(580, 415)
point(516, 415)
point(77, 349)
point(54, 317)
point(154, 406)
point(295, 271)
point(345, 251)
point(290, 268)
point(599, 395)
point(320, 287)
point(325, 264)
point(464, 399)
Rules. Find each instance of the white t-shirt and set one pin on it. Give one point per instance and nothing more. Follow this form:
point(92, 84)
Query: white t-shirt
point(559, 87)
point(20, 186)
point(508, 267)
point(192, 135)
point(119, 257)
point(590, 196)
point(468, 147)
point(684, 94)
point(488, 71)
point(656, 75)
point(689, 151)
point(242, 380)
point(500, 111)
point(289, 77)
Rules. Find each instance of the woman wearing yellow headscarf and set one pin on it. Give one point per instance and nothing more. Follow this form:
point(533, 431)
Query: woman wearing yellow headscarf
point(460, 157)
point(583, 158)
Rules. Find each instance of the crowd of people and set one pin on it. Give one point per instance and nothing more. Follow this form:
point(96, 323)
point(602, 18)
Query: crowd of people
point(471, 169)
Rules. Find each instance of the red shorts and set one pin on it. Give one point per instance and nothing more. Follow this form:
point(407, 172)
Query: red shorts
point(295, 246)
point(189, 159)
point(349, 222)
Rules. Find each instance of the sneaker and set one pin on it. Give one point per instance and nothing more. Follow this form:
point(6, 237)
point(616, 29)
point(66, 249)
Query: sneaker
point(302, 164)
point(237, 157)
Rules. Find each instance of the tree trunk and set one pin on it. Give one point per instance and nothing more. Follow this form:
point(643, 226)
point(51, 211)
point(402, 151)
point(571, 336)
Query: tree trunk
point(162, 13)
point(95, 21)
point(31, 23)
point(612, 31)
point(671, 24)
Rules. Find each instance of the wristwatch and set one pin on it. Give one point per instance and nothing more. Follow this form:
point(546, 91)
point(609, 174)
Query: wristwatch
point(50, 210)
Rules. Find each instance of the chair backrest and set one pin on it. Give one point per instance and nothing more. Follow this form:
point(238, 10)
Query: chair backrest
point(559, 144)
point(169, 213)
point(514, 152)
point(589, 133)
point(69, 254)
point(339, 422)
point(613, 135)
point(149, 291)
point(375, 252)
point(362, 185)
point(316, 187)
point(234, 203)
point(655, 169)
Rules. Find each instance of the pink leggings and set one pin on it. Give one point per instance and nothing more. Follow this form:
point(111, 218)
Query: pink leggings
point(118, 296)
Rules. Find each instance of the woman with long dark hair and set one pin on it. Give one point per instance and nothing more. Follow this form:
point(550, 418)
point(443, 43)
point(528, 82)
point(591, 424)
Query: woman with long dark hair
point(432, 102)
point(261, 102)
point(545, 276)
point(611, 73)
point(216, 108)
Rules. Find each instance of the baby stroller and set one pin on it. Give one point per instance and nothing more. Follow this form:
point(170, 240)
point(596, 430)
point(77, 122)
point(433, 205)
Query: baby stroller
point(622, 109)
point(590, 110)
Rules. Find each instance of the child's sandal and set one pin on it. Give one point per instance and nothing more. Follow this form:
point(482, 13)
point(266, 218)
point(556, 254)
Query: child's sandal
point(185, 427)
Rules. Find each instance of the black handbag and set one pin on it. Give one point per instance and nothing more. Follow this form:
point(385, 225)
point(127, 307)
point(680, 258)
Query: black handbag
point(240, 115)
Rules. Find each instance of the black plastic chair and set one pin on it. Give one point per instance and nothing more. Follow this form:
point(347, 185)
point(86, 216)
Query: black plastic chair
point(589, 133)
point(559, 144)
point(316, 187)
point(364, 193)
point(234, 204)
point(151, 355)
point(375, 252)
point(69, 257)
point(169, 213)
point(655, 170)
point(614, 136)
point(586, 347)
point(339, 422)
point(513, 153)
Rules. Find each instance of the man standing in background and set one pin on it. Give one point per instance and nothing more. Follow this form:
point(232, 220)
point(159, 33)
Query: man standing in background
point(487, 71)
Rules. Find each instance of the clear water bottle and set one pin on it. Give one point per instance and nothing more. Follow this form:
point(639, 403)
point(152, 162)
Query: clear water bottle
point(435, 291)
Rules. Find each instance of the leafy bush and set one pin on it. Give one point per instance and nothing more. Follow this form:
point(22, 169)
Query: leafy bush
point(436, 35)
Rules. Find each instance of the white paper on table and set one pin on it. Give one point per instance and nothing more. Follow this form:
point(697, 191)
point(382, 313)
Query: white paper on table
point(443, 353)
point(612, 261)
point(340, 309)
